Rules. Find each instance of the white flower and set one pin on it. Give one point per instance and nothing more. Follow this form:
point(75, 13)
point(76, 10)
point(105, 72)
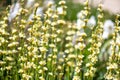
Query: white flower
point(117, 42)
point(60, 10)
point(108, 28)
point(118, 39)
point(29, 3)
point(80, 15)
point(105, 35)
point(80, 23)
point(91, 22)
point(39, 12)
point(47, 2)
point(13, 11)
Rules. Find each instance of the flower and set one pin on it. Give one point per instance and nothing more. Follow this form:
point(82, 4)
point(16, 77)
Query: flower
point(118, 39)
point(49, 2)
point(91, 22)
point(80, 15)
point(105, 35)
point(29, 3)
point(13, 11)
point(108, 29)
point(60, 10)
point(80, 24)
point(39, 12)
point(76, 78)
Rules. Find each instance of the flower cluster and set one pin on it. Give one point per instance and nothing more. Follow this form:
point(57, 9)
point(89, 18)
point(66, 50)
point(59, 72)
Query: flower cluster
point(37, 43)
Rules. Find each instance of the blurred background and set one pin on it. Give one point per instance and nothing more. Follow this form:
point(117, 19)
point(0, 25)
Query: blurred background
point(111, 7)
